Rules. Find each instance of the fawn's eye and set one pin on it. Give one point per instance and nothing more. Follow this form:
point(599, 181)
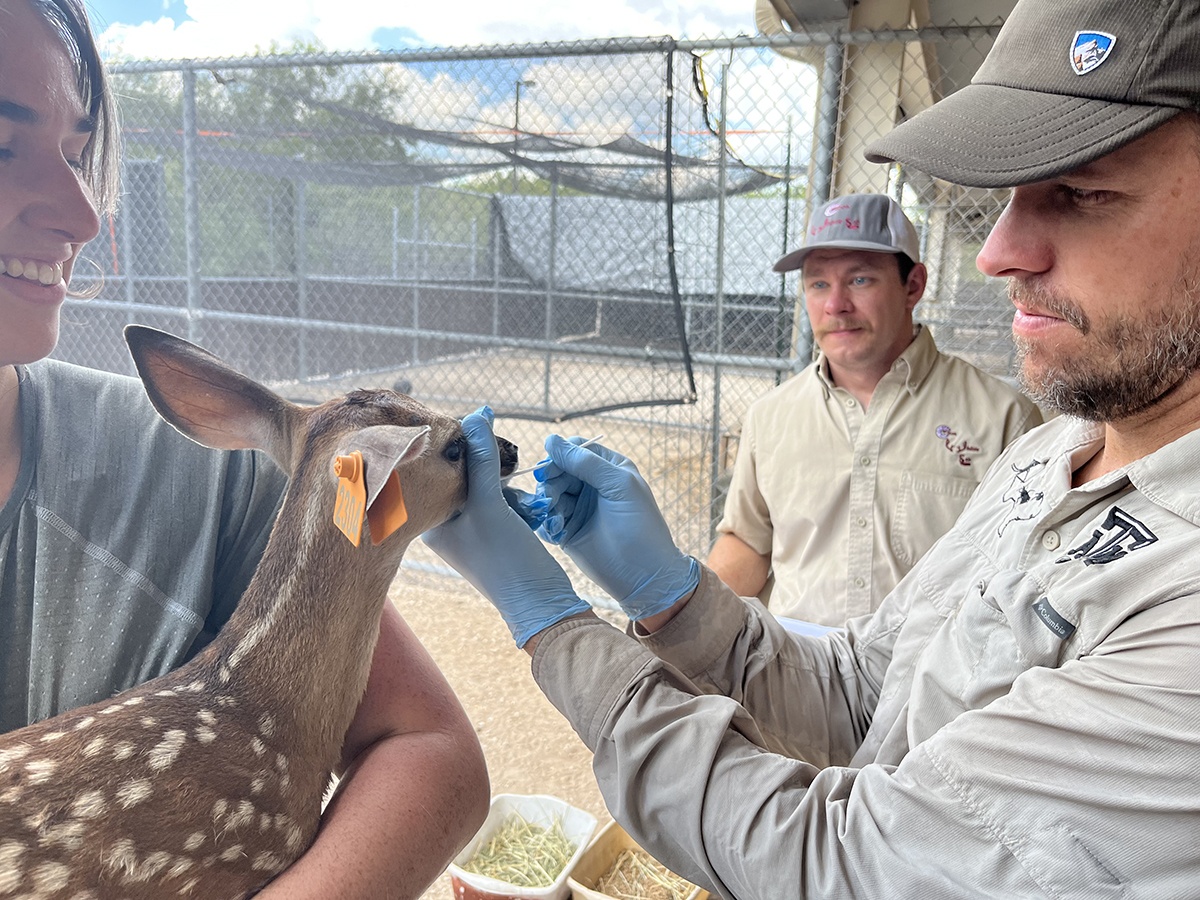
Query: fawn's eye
point(457, 450)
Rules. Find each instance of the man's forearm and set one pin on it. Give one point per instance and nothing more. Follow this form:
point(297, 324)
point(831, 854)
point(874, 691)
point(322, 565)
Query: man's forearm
point(739, 565)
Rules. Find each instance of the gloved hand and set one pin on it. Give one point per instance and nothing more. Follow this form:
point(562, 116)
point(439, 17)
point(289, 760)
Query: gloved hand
point(493, 549)
point(595, 504)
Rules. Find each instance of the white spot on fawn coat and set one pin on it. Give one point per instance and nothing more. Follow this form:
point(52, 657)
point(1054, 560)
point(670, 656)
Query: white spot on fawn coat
point(88, 805)
point(132, 793)
point(14, 754)
point(164, 754)
point(123, 751)
point(11, 875)
point(50, 877)
point(40, 770)
point(94, 746)
point(67, 835)
point(266, 861)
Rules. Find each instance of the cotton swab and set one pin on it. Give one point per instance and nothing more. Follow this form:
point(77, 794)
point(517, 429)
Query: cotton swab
point(543, 462)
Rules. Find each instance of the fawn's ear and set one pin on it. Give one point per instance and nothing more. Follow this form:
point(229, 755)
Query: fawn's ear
point(205, 399)
point(385, 448)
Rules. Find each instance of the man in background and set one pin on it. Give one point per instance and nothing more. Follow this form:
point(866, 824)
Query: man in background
point(847, 473)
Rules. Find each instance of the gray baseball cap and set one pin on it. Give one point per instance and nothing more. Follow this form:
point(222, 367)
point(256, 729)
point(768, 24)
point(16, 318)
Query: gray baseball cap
point(1067, 81)
point(857, 222)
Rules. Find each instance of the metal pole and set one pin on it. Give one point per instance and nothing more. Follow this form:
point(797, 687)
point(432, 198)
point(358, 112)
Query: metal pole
point(516, 132)
point(519, 83)
point(271, 262)
point(549, 331)
point(831, 90)
point(302, 274)
point(125, 220)
point(719, 304)
point(395, 243)
point(781, 313)
point(191, 203)
point(494, 224)
point(474, 248)
point(418, 272)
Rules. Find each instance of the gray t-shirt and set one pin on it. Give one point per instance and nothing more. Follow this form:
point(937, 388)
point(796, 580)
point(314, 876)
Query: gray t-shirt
point(124, 546)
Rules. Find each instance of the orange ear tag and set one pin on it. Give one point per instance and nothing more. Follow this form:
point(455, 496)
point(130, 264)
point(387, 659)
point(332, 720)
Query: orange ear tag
point(387, 513)
point(351, 501)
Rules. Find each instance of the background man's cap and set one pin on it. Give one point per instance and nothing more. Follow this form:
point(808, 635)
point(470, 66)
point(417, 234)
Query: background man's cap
point(1067, 81)
point(857, 222)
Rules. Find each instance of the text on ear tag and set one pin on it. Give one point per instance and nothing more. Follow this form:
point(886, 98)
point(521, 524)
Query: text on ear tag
point(387, 513)
point(350, 506)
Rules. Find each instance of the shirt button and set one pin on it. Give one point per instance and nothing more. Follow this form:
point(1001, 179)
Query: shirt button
point(849, 403)
point(866, 460)
point(861, 522)
point(1050, 540)
point(858, 582)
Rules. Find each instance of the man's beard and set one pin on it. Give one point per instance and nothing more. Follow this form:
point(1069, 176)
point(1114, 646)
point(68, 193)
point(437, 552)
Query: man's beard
point(1125, 365)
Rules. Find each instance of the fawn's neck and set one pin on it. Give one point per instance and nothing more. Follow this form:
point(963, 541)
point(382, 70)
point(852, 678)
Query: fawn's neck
point(303, 634)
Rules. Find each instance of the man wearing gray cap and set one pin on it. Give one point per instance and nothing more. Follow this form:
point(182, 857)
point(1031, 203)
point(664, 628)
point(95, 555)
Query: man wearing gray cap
point(847, 473)
point(1021, 716)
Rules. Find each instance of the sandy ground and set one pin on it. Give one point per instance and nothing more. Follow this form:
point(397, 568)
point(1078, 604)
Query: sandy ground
point(530, 748)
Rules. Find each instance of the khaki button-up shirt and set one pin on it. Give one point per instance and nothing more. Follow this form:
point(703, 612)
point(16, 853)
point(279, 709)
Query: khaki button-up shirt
point(845, 500)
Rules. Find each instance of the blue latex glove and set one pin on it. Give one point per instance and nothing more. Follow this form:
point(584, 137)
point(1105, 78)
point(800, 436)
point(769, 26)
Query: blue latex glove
point(493, 549)
point(595, 504)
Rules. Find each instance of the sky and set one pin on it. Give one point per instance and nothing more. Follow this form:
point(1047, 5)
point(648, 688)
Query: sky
point(170, 29)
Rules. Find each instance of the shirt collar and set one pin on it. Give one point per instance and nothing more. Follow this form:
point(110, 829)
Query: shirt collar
point(1166, 476)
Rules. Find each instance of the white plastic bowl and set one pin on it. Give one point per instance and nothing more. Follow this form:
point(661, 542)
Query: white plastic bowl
point(539, 809)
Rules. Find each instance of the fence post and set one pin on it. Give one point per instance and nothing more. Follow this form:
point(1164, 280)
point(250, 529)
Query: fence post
point(301, 231)
point(549, 330)
point(191, 202)
point(127, 250)
point(417, 274)
point(494, 226)
point(395, 243)
point(827, 126)
point(714, 484)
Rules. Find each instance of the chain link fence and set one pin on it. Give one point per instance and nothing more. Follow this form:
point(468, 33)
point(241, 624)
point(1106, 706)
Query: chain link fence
point(580, 235)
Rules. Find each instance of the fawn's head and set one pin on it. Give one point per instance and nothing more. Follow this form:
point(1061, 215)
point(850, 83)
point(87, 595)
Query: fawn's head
point(218, 407)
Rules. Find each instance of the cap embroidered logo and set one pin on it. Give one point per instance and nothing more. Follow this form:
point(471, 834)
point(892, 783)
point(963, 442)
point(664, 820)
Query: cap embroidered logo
point(1090, 49)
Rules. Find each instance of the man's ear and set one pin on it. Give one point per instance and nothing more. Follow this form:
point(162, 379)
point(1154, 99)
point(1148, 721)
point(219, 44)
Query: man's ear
point(915, 286)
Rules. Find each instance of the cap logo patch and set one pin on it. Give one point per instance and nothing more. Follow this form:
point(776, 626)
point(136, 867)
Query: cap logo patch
point(1091, 48)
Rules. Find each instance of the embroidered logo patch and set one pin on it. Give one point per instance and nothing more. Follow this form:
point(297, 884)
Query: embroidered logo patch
point(961, 447)
point(1090, 50)
point(1023, 499)
point(1118, 536)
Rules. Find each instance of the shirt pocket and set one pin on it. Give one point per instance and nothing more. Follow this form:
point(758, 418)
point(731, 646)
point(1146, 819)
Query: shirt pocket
point(927, 505)
point(999, 635)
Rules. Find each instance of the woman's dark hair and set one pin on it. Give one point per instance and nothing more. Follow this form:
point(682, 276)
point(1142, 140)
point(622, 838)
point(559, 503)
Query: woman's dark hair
point(69, 20)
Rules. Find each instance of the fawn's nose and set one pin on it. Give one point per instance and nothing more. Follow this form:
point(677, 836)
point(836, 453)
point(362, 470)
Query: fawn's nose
point(508, 456)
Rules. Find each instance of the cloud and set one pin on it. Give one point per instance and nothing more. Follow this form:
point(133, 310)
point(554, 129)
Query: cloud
point(235, 27)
